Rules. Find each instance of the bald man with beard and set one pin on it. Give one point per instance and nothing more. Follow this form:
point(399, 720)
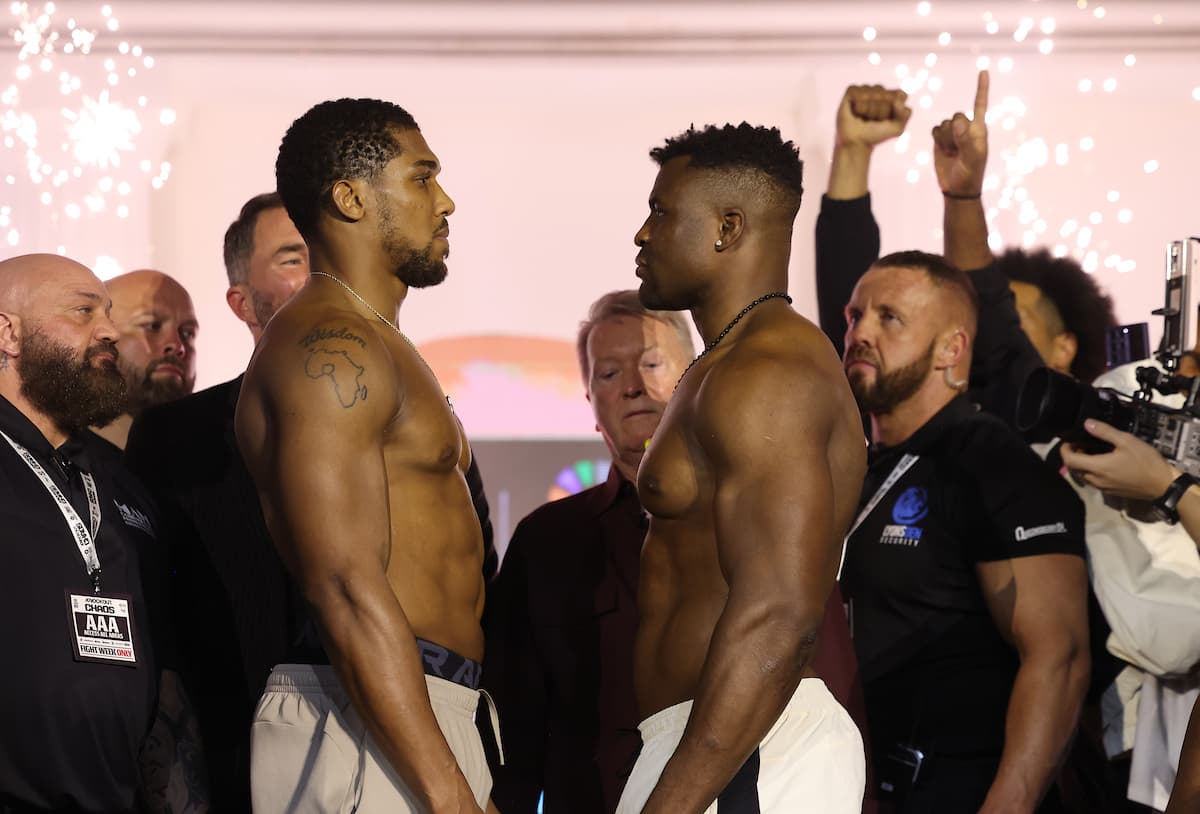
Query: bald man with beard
point(157, 344)
point(83, 680)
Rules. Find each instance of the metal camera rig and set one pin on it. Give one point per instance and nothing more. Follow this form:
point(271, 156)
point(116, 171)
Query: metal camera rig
point(1052, 404)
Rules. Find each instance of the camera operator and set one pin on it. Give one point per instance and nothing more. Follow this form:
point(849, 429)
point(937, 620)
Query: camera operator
point(1135, 471)
point(1147, 590)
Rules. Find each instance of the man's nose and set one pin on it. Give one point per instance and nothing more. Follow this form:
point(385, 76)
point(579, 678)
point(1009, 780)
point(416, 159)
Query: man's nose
point(635, 385)
point(175, 346)
point(106, 331)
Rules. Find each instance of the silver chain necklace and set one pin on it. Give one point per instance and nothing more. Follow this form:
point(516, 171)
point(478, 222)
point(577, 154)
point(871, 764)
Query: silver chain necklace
point(385, 321)
point(773, 295)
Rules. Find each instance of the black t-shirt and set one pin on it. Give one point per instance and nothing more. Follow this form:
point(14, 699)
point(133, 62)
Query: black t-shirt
point(935, 669)
point(70, 731)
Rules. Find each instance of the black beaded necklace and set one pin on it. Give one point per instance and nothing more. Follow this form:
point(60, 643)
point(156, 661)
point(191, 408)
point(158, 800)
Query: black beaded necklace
point(773, 295)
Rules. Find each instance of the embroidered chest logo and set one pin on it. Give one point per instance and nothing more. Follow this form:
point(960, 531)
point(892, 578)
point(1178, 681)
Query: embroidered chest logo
point(136, 519)
point(910, 508)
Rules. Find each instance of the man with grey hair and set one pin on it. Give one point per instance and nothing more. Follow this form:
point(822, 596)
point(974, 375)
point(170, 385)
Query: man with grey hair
point(562, 613)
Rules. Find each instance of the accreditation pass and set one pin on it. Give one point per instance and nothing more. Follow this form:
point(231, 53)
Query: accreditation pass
point(102, 628)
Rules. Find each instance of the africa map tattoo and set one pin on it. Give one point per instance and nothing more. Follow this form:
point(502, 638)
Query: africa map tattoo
point(341, 370)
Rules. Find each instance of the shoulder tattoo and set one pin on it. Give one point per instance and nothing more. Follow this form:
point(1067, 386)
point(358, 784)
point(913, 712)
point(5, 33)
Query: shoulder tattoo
point(326, 360)
point(318, 334)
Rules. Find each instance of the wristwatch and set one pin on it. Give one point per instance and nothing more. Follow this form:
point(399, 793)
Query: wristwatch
point(1166, 508)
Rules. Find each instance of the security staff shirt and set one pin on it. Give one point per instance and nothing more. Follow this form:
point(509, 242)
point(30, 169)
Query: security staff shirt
point(70, 729)
point(936, 672)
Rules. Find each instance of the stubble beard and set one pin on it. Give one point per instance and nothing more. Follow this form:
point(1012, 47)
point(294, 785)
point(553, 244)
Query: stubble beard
point(146, 391)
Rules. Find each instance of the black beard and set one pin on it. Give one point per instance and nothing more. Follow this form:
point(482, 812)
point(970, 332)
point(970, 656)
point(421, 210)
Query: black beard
point(416, 269)
point(73, 395)
point(890, 389)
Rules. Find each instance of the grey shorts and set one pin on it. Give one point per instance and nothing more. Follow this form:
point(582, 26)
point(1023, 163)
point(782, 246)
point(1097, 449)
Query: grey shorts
point(310, 752)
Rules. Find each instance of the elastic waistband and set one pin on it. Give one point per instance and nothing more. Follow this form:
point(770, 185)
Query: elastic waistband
point(674, 718)
point(437, 661)
point(442, 662)
point(321, 679)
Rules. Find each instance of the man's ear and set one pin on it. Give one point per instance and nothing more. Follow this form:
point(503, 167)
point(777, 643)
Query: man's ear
point(952, 348)
point(10, 334)
point(1063, 349)
point(733, 224)
point(240, 304)
point(348, 200)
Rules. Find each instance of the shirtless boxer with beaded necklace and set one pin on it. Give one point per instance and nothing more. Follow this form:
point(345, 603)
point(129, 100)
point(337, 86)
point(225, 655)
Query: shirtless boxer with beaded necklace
point(751, 481)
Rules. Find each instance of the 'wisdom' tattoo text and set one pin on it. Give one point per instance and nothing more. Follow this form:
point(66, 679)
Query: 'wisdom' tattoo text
point(318, 334)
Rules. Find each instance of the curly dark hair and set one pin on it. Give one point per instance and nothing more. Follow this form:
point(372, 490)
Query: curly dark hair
point(1083, 309)
point(342, 139)
point(741, 147)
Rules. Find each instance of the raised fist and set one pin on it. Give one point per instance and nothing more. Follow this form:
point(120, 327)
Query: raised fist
point(870, 115)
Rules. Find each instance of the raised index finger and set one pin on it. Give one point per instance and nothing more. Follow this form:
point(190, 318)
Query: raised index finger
point(981, 96)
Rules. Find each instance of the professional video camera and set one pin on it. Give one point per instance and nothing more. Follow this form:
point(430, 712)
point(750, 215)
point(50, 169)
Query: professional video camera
point(1053, 405)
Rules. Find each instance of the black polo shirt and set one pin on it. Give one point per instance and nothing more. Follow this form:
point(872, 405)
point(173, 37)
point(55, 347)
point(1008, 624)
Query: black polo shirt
point(936, 672)
point(70, 731)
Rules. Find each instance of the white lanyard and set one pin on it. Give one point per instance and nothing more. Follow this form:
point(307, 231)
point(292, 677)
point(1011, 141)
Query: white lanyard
point(906, 462)
point(85, 540)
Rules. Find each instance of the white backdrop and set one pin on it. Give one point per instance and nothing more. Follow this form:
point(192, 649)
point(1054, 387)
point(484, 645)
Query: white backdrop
point(542, 115)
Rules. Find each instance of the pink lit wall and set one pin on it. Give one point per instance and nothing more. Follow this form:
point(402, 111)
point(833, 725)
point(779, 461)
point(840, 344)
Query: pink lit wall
point(542, 116)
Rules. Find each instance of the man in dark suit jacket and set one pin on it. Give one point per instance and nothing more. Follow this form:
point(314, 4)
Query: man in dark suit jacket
point(237, 612)
point(562, 613)
point(232, 593)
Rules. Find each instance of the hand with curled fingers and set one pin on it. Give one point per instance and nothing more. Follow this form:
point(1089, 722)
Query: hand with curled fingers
point(1133, 469)
point(960, 148)
point(870, 115)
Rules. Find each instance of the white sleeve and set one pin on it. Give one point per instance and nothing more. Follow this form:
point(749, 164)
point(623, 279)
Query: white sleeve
point(1152, 607)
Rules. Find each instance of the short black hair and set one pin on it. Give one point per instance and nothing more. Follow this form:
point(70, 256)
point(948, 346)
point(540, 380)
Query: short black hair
point(1086, 311)
point(239, 237)
point(741, 147)
point(940, 270)
point(342, 139)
